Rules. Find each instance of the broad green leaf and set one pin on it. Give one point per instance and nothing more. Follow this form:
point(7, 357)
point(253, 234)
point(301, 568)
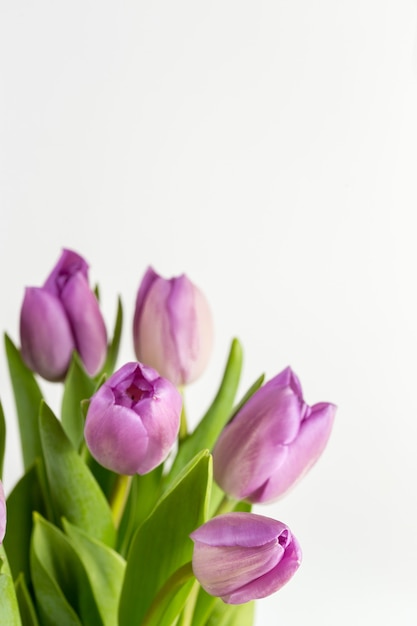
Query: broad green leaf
point(169, 604)
point(75, 493)
point(2, 439)
point(27, 398)
point(207, 431)
point(9, 610)
point(59, 579)
point(24, 599)
point(78, 386)
point(231, 615)
point(104, 477)
point(104, 568)
point(113, 349)
point(162, 544)
point(26, 497)
point(144, 493)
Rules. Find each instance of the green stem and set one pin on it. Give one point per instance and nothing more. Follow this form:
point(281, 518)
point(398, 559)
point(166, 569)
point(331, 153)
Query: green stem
point(175, 581)
point(119, 497)
point(183, 424)
point(187, 615)
point(226, 505)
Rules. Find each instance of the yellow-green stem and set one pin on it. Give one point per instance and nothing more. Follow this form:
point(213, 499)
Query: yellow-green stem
point(119, 497)
point(176, 580)
point(226, 505)
point(188, 611)
point(183, 423)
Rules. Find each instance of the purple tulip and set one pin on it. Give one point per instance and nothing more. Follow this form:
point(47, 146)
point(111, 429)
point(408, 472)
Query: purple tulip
point(133, 420)
point(242, 556)
point(272, 442)
point(60, 317)
point(172, 327)
point(3, 513)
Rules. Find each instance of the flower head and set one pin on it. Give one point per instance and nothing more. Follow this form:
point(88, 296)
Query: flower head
point(133, 420)
point(172, 327)
point(272, 442)
point(60, 317)
point(242, 556)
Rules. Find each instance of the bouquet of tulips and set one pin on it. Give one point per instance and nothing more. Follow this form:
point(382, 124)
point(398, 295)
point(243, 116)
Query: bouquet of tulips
point(123, 517)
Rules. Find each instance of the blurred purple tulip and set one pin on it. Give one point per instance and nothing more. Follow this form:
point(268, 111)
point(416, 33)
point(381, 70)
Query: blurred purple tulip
point(60, 317)
point(3, 513)
point(172, 327)
point(133, 420)
point(242, 556)
point(272, 442)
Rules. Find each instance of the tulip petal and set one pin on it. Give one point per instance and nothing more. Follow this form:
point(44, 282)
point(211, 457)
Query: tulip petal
point(46, 337)
point(160, 419)
point(190, 327)
point(86, 321)
point(272, 580)
point(147, 281)
point(69, 263)
point(168, 311)
point(253, 446)
point(302, 453)
point(242, 556)
point(172, 327)
point(116, 437)
point(221, 570)
point(239, 529)
point(274, 439)
point(133, 420)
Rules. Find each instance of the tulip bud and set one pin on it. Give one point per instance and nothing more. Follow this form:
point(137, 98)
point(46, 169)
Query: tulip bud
point(3, 513)
point(242, 556)
point(172, 327)
point(133, 420)
point(60, 317)
point(272, 442)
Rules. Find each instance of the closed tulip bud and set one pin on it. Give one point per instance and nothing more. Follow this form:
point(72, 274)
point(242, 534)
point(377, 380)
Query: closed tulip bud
point(272, 442)
point(242, 556)
point(133, 420)
point(60, 317)
point(172, 327)
point(3, 513)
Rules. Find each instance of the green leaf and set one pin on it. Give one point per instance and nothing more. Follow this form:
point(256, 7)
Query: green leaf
point(9, 610)
point(62, 590)
point(78, 387)
point(143, 495)
point(104, 477)
point(207, 431)
point(25, 498)
point(231, 615)
point(27, 398)
point(162, 544)
point(105, 570)
point(24, 599)
point(113, 349)
point(75, 493)
point(2, 439)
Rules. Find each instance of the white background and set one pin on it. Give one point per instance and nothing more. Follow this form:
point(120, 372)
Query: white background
point(269, 150)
